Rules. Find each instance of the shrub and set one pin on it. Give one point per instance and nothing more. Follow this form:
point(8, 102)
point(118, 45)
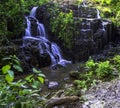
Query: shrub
point(104, 70)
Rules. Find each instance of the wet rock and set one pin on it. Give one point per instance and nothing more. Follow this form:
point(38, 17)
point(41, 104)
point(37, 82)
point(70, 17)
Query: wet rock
point(91, 33)
point(66, 79)
point(74, 74)
point(53, 85)
point(33, 53)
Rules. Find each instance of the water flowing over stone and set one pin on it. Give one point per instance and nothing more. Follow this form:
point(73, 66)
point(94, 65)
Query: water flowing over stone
point(33, 11)
point(84, 4)
point(28, 29)
point(35, 36)
point(98, 14)
point(91, 32)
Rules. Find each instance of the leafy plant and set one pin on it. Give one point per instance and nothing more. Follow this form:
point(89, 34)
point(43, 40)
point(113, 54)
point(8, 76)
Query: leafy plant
point(104, 69)
point(23, 93)
point(62, 26)
point(95, 72)
point(35, 79)
point(12, 64)
point(116, 62)
point(90, 64)
point(80, 84)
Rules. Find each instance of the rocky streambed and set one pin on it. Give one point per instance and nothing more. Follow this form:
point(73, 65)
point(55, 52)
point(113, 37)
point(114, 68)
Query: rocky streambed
point(103, 95)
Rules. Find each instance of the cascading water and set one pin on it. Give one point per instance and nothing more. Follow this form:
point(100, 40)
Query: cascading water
point(33, 11)
point(84, 3)
point(45, 46)
point(27, 31)
point(98, 14)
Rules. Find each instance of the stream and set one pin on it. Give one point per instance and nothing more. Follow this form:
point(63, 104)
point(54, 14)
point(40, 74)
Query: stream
point(58, 78)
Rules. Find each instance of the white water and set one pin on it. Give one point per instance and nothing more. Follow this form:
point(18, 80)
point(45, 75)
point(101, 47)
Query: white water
point(45, 46)
point(33, 11)
point(103, 25)
point(84, 3)
point(41, 29)
point(27, 31)
point(98, 14)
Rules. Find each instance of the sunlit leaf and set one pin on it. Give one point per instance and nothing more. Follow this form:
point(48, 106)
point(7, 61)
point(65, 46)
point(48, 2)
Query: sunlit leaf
point(9, 78)
point(6, 68)
point(35, 95)
point(41, 75)
point(41, 79)
point(28, 78)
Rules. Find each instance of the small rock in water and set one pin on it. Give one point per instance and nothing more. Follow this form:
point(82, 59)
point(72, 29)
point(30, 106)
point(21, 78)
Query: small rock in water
point(53, 84)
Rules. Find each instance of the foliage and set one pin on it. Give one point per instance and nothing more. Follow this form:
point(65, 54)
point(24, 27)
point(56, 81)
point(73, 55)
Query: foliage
point(108, 8)
point(19, 94)
point(79, 1)
point(62, 25)
point(35, 80)
point(94, 72)
point(12, 64)
point(90, 64)
point(104, 69)
point(41, 2)
point(22, 93)
point(116, 62)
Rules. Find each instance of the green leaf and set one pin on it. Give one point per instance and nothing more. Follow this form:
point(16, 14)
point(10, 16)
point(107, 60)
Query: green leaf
point(28, 77)
point(41, 75)
point(36, 71)
point(11, 73)
point(41, 79)
point(35, 84)
point(6, 58)
point(6, 68)
point(18, 68)
point(17, 61)
point(9, 78)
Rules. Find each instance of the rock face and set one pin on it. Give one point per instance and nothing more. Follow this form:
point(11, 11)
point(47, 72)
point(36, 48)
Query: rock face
point(104, 95)
point(91, 34)
point(38, 50)
point(33, 55)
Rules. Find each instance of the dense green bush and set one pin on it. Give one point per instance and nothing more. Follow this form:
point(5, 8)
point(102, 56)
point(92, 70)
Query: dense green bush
point(62, 24)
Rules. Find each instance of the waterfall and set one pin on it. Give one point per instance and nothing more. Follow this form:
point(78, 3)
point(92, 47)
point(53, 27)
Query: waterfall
point(41, 29)
point(84, 3)
point(45, 46)
point(33, 11)
point(98, 14)
point(27, 31)
point(103, 25)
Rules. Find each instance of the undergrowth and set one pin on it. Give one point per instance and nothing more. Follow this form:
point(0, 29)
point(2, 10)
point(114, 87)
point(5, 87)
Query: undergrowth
point(94, 72)
point(23, 93)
